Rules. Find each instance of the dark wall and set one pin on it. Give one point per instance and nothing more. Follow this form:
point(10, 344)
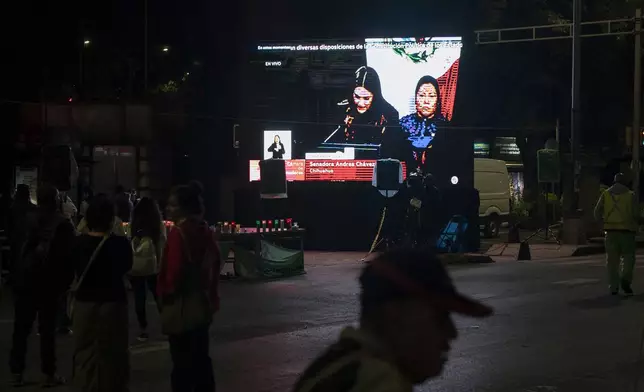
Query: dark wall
point(343, 215)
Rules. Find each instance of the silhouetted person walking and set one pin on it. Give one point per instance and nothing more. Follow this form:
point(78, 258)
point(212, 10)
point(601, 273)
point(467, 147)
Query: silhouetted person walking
point(43, 274)
point(188, 278)
point(618, 208)
point(101, 261)
point(148, 239)
point(405, 328)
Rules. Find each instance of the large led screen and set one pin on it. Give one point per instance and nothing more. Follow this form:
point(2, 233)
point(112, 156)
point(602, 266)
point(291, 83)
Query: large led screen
point(373, 99)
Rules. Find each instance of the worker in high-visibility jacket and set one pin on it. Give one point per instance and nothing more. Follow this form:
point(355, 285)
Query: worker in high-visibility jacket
point(619, 211)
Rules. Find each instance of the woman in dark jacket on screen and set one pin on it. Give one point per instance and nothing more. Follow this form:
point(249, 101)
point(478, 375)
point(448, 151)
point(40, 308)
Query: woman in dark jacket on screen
point(190, 241)
point(422, 128)
point(366, 112)
point(100, 318)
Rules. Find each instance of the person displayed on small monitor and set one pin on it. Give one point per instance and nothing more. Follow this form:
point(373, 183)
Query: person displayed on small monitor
point(277, 148)
point(364, 110)
point(421, 127)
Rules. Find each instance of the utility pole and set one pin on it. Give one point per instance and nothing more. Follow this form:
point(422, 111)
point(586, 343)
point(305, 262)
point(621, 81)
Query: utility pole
point(615, 27)
point(145, 46)
point(574, 115)
point(80, 66)
point(637, 104)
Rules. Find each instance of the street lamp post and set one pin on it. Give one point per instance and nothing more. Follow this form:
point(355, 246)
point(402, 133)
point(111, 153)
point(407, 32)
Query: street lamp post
point(573, 203)
point(145, 46)
point(81, 77)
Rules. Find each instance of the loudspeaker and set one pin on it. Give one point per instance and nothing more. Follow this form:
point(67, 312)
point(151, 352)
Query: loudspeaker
point(388, 174)
point(58, 167)
point(272, 179)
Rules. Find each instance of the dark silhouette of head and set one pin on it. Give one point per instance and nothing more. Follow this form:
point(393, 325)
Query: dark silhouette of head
point(48, 198)
point(620, 178)
point(23, 195)
point(185, 201)
point(100, 214)
point(146, 219)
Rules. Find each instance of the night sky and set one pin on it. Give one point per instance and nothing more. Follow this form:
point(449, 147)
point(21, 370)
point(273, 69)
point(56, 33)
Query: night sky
point(510, 85)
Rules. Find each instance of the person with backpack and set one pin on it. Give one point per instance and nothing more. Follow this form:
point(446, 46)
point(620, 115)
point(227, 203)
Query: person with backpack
point(148, 238)
point(98, 303)
point(188, 290)
point(43, 275)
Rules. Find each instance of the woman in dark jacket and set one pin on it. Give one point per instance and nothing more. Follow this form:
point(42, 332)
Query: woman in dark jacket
point(190, 241)
point(421, 128)
point(277, 148)
point(100, 318)
point(366, 113)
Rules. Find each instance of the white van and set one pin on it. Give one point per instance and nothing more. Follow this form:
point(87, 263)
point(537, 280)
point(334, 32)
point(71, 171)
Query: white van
point(493, 183)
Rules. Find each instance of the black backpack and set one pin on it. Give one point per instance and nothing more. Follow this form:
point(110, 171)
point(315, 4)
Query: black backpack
point(35, 250)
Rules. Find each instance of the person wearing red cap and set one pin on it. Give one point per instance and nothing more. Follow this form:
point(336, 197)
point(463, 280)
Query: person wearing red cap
point(405, 328)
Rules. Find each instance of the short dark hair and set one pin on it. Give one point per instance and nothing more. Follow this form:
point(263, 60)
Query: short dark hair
point(47, 197)
point(100, 214)
point(119, 189)
point(189, 198)
point(22, 193)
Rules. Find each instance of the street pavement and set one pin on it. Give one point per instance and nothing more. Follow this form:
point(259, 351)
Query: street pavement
point(490, 242)
point(555, 329)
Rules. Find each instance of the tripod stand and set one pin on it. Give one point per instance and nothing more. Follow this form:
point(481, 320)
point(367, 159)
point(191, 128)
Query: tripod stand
point(546, 233)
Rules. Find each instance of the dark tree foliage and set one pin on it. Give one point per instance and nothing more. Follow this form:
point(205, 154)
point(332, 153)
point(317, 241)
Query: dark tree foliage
point(528, 85)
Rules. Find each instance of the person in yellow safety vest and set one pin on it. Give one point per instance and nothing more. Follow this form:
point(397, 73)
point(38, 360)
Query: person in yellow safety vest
point(405, 330)
point(619, 211)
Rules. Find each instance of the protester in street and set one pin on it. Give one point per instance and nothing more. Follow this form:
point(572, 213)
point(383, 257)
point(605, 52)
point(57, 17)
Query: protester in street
point(190, 273)
point(69, 211)
point(100, 315)
point(43, 274)
point(618, 208)
point(87, 198)
point(123, 203)
point(148, 239)
point(17, 222)
point(134, 197)
point(405, 328)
